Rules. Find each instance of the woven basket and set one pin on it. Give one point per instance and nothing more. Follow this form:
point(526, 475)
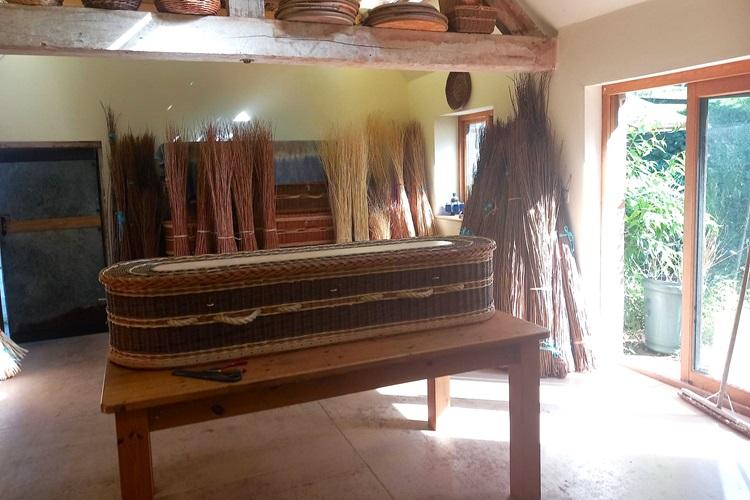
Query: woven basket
point(112, 4)
point(200, 309)
point(38, 3)
point(472, 19)
point(191, 7)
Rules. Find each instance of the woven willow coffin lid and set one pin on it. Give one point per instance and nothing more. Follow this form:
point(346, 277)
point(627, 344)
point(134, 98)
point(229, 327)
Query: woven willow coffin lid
point(177, 273)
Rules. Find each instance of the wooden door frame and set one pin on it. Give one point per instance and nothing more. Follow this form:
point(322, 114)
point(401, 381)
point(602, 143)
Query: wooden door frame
point(697, 91)
point(697, 80)
point(469, 118)
point(97, 145)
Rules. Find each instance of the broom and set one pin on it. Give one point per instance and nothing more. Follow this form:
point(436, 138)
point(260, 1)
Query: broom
point(176, 156)
point(11, 355)
point(719, 405)
point(415, 180)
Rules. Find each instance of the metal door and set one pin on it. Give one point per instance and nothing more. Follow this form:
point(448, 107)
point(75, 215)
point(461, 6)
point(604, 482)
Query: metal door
point(51, 245)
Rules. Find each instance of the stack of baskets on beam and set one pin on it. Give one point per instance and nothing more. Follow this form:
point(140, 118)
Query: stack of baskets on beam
point(190, 7)
point(469, 16)
point(112, 4)
point(417, 16)
point(343, 12)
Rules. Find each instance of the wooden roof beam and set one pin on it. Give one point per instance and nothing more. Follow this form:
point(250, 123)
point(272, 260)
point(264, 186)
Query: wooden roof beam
point(146, 35)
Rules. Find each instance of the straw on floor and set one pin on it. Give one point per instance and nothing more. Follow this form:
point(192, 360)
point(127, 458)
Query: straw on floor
point(11, 355)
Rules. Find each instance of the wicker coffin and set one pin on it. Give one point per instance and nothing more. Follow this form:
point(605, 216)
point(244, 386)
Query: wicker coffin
point(189, 310)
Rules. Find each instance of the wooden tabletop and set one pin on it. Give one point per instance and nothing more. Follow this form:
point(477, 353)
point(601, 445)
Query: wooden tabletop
point(127, 389)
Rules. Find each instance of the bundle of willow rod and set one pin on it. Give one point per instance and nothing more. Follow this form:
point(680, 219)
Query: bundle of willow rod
point(356, 147)
point(204, 234)
point(140, 214)
point(147, 189)
point(515, 201)
point(242, 144)
point(385, 150)
point(415, 180)
point(573, 291)
point(118, 187)
point(217, 158)
point(379, 182)
point(264, 183)
point(176, 157)
point(11, 355)
point(333, 155)
point(560, 321)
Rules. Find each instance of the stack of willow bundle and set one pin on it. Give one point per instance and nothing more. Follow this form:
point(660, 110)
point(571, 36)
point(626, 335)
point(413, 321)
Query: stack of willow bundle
point(415, 180)
point(344, 158)
point(515, 201)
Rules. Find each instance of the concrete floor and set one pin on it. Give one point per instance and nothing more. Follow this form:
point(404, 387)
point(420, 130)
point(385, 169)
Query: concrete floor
point(612, 434)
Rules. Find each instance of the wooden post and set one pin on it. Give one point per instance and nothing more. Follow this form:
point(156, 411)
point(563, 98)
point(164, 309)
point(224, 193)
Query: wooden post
point(525, 466)
point(246, 8)
point(438, 399)
point(134, 455)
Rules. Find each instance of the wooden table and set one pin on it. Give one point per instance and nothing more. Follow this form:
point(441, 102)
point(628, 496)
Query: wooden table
point(147, 401)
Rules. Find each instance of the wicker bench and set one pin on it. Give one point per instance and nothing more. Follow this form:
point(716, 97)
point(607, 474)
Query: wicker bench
point(146, 401)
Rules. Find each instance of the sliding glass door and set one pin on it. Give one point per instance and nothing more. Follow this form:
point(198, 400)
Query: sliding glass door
point(717, 234)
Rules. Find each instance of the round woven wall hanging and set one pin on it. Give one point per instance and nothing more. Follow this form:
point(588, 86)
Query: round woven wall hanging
point(458, 90)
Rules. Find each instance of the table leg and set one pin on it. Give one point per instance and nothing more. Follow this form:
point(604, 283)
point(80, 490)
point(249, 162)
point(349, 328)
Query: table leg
point(525, 467)
point(438, 399)
point(134, 454)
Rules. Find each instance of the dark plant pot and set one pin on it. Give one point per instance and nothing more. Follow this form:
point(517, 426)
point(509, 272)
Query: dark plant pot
point(663, 301)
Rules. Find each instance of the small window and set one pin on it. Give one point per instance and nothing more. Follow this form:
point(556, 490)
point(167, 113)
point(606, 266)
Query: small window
point(470, 128)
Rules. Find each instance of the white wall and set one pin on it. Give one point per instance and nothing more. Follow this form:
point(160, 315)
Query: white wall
point(57, 98)
point(649, 38)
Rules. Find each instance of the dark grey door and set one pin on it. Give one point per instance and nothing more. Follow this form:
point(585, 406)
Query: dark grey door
point(51, 245)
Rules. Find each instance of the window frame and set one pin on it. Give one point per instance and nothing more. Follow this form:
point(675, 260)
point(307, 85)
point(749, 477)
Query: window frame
point(464, 121)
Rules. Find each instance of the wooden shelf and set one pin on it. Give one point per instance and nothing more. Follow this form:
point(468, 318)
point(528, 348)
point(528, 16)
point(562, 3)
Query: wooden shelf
point(147, 35)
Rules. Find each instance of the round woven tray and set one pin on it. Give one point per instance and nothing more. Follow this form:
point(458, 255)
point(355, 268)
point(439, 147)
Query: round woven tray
point(38, 3)
point(191, 7)
point(112, 4)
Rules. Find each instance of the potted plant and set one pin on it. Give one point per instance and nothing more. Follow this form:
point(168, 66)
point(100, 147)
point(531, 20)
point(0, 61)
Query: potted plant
point(654, 214)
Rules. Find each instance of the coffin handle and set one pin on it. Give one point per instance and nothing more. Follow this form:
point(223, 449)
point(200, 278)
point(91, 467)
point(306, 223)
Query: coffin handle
point(237, 320)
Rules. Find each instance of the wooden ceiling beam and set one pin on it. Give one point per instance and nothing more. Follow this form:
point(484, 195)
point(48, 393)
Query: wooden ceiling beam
point(512, 19)
point(147, 35)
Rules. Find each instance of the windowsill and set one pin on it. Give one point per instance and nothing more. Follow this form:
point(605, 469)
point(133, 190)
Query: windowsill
point(450, 217)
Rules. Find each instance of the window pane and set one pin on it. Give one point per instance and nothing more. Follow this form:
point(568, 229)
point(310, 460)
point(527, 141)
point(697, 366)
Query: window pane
point(473, 132)
point(725, 235)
